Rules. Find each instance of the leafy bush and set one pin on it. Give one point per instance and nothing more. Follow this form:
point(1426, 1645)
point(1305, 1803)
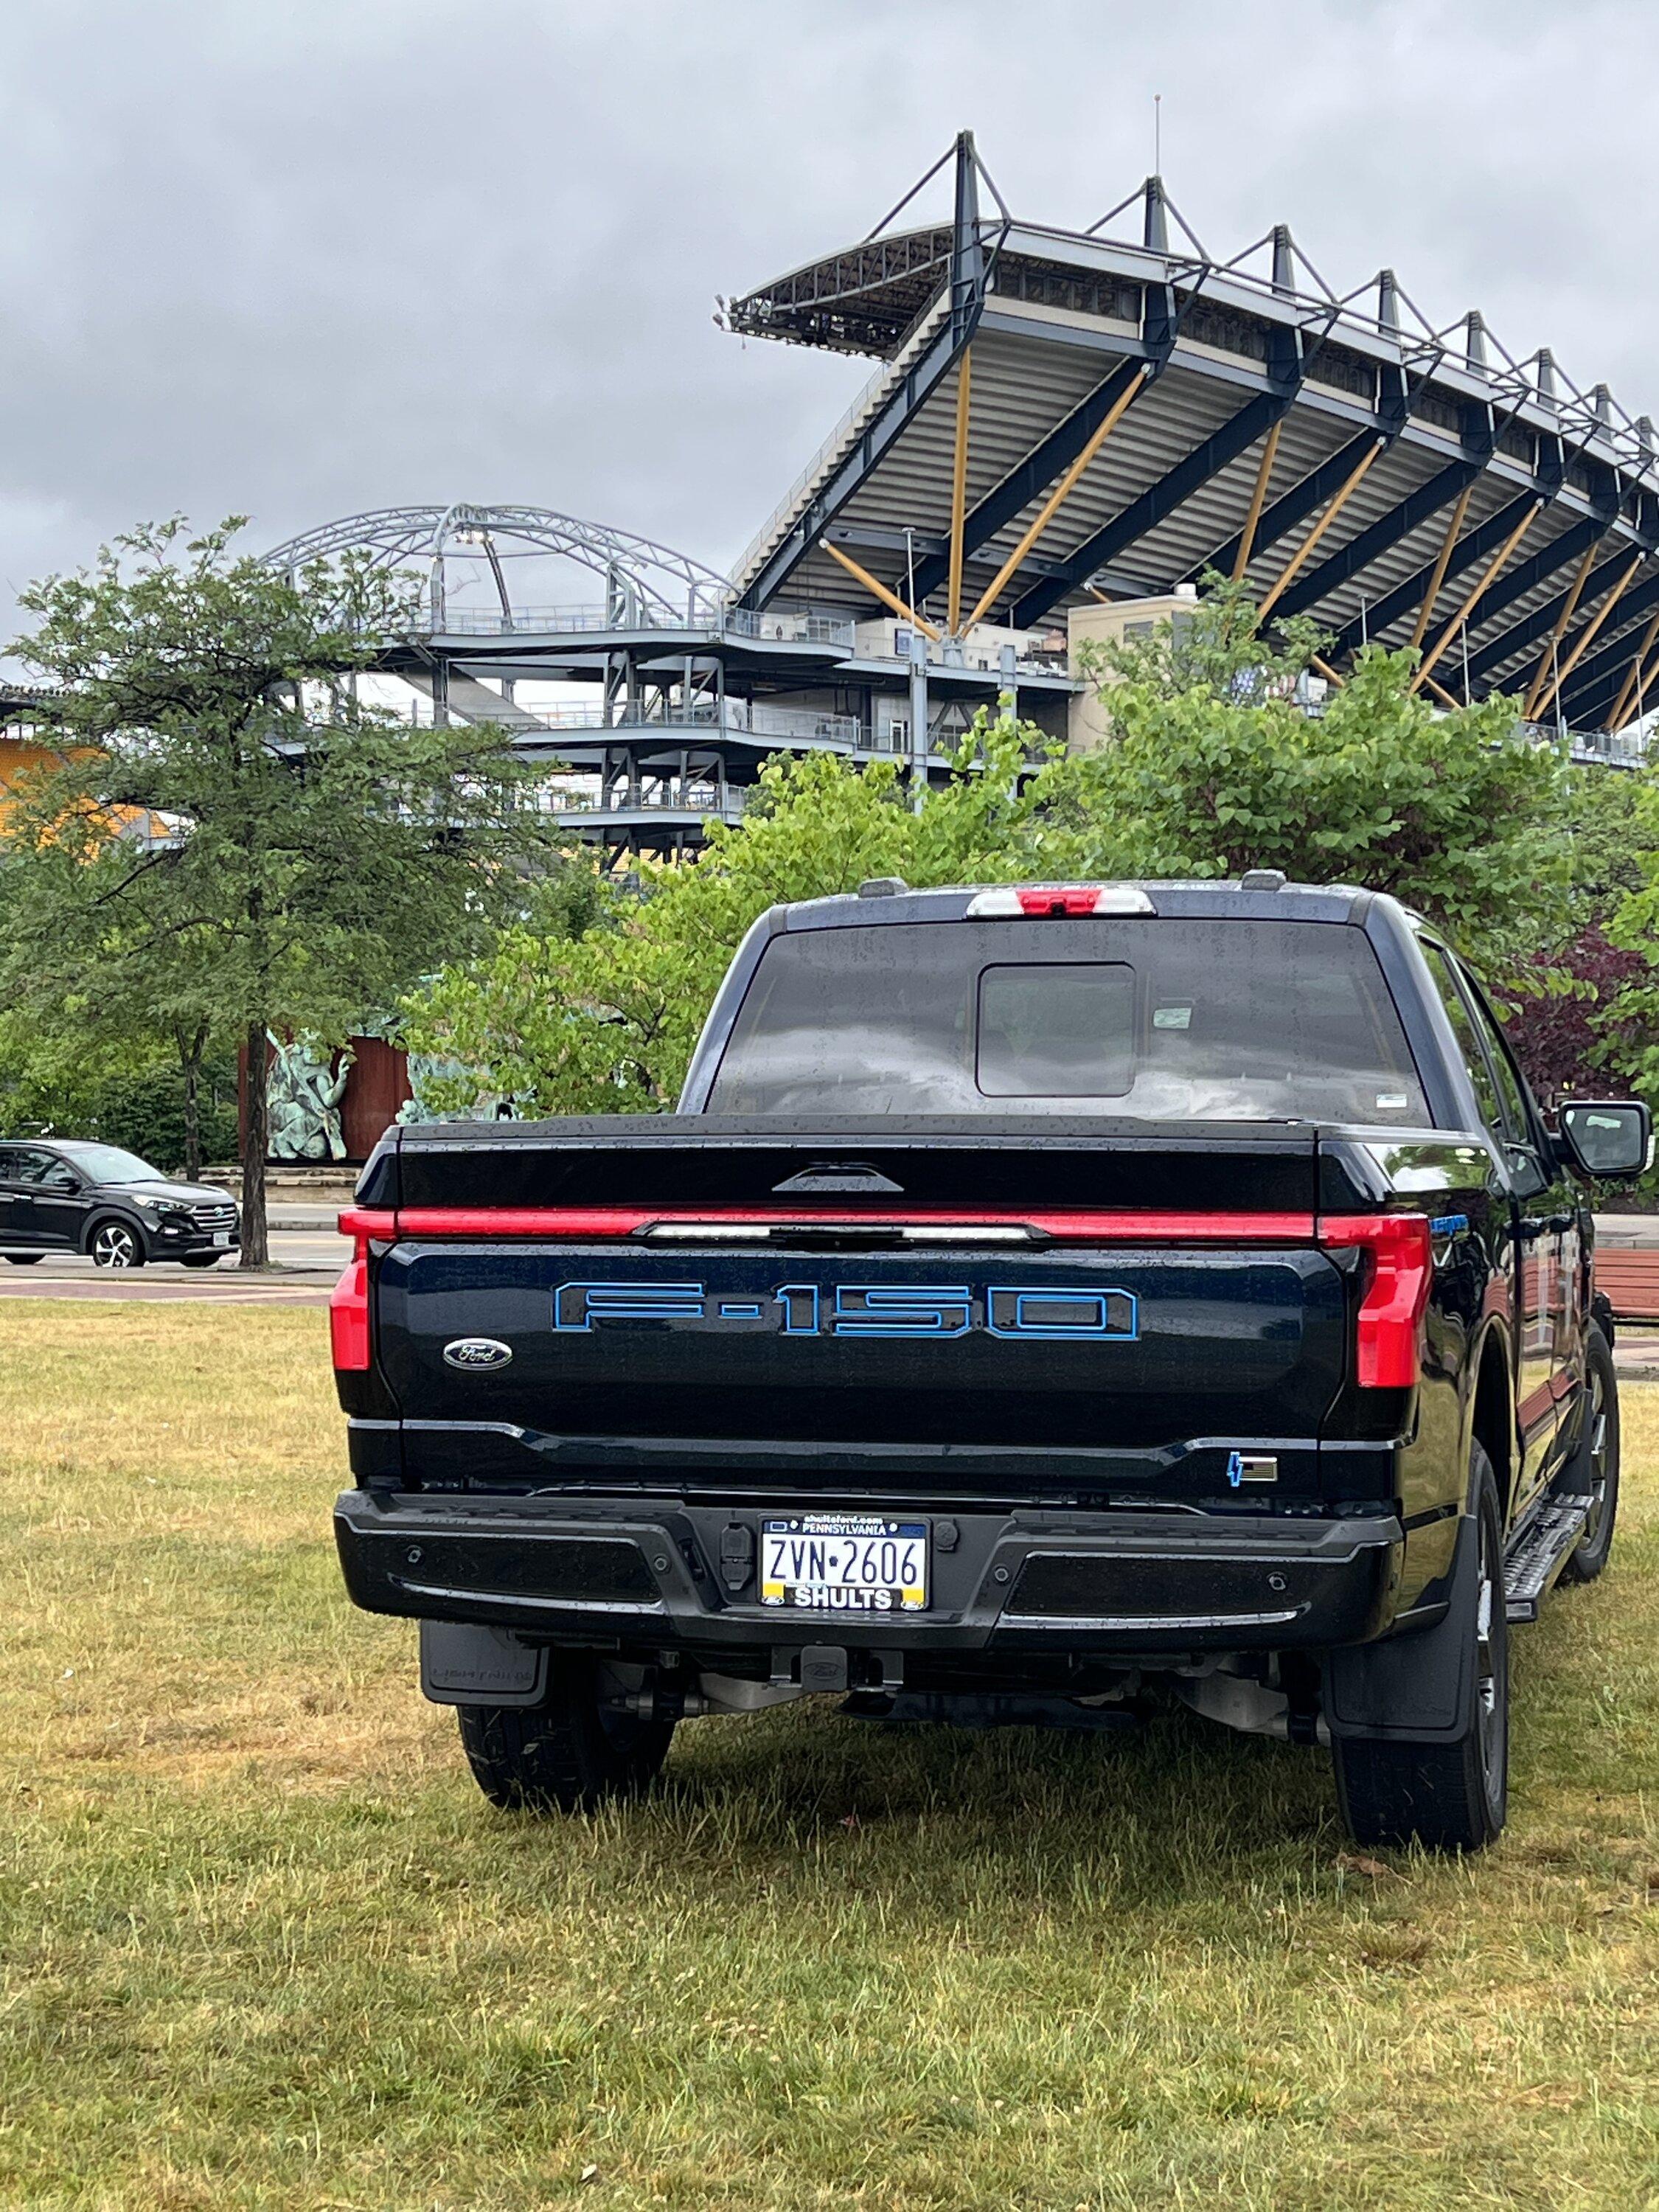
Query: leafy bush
point(1572, 1030)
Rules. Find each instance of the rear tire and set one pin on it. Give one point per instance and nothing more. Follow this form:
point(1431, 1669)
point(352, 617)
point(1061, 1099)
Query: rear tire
point(570, 1754)
point(1595, 1469)
point(1448, 1797)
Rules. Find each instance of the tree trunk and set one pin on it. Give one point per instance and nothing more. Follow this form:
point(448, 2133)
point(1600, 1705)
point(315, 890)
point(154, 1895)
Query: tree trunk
point(256, 1244)
point(191, 1049)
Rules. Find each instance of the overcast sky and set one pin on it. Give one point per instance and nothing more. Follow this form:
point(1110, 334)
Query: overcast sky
point(302, 258)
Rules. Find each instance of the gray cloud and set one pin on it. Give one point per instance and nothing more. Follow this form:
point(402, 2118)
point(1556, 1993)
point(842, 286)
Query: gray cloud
point(299, 259)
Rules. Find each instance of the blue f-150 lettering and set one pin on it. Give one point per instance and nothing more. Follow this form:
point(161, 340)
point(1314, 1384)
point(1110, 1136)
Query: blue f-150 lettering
point(1055, 1312)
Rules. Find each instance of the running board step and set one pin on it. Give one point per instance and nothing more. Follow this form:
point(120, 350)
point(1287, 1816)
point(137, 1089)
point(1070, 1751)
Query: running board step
point(1534, 1561)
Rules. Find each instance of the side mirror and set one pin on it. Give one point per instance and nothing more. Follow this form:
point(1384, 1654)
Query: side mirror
point(1612, 1142)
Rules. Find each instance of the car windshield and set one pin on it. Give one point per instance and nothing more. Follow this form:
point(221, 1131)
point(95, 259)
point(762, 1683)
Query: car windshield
point(109, 1163)
point(1168, 1019)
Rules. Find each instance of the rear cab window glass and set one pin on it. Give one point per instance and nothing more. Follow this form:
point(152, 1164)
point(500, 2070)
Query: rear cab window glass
point(1057, 1031)
point(1165, 1019)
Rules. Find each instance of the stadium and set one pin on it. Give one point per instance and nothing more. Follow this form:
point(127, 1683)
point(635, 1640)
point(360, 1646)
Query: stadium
point(1064, 433)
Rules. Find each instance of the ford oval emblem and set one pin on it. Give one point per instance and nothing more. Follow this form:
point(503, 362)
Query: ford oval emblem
point(477, 1352)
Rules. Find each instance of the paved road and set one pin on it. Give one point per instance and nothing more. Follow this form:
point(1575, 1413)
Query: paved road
point(306, 1265)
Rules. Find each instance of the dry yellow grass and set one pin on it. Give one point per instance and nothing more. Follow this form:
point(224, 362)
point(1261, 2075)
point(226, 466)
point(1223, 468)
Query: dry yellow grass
point(262, 1945)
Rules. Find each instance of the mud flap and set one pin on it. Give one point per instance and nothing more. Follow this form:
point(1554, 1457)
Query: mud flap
point(1414, 1688)
point(465, 1665)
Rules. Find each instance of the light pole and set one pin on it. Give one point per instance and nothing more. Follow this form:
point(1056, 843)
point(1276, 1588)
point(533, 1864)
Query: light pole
point(918, 719)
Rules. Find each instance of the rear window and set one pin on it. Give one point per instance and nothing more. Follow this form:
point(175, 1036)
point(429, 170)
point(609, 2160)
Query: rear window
point(1164, 1020)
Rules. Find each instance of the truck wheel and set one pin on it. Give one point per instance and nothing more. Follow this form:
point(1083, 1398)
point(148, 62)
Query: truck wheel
point(568, 1755)
point(1447, 1795)
point(1594, 1470)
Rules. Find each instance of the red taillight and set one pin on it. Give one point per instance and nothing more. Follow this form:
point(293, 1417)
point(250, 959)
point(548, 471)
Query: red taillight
point(1388, 1348)
point(348, 1315)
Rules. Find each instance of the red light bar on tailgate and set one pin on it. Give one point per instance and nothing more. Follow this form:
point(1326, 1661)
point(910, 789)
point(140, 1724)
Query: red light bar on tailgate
point(1388, 1345)
point(596, 1223)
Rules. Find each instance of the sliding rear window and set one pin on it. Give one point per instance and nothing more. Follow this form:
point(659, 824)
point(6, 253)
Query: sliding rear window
point(1161, 1019)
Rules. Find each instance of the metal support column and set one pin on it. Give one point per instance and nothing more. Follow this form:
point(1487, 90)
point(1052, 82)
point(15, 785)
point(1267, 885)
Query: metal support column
point(1488, 576)
point(1258, 501)
point(918, 719)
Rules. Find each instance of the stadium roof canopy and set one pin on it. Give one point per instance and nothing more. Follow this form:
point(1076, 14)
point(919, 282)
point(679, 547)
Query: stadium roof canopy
point(1118, 410)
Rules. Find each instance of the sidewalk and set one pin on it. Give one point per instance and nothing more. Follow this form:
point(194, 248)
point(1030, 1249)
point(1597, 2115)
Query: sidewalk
point(1636, 1356)
point(1628, 1231)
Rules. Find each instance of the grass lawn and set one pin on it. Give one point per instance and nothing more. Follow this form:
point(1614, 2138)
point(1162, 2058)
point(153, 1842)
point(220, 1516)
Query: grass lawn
point(262, 1943)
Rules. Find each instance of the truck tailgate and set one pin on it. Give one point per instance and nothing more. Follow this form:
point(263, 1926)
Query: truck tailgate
point(840, 1336)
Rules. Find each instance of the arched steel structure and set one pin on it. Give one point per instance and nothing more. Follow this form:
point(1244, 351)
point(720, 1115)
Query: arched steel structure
point(643, 580)
point(1067, 414)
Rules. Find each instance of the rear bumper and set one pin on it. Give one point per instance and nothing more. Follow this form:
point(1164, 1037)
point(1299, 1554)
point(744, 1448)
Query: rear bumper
point(647, 1573)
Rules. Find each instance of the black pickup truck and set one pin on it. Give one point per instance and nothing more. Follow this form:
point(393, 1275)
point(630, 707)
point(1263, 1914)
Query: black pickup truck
point(1045, 1300)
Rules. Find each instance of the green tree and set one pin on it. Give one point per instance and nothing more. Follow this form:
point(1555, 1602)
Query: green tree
point(1627, 1017)
point(1214, 764)
point(1605, 810)
point(236, 843)
point(85, 960)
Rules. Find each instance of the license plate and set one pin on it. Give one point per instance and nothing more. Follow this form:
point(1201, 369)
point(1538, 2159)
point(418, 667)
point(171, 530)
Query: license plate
point(844, 1563)
point(222, 1238)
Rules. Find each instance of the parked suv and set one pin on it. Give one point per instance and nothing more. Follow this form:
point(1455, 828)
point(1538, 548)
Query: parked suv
point(58, 1196)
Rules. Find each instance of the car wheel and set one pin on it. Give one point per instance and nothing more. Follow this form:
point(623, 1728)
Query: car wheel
point(24, 1259)
point(116, 1245)
point(1449, 1795)
point(1594, 1473)
point(570, 1754)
